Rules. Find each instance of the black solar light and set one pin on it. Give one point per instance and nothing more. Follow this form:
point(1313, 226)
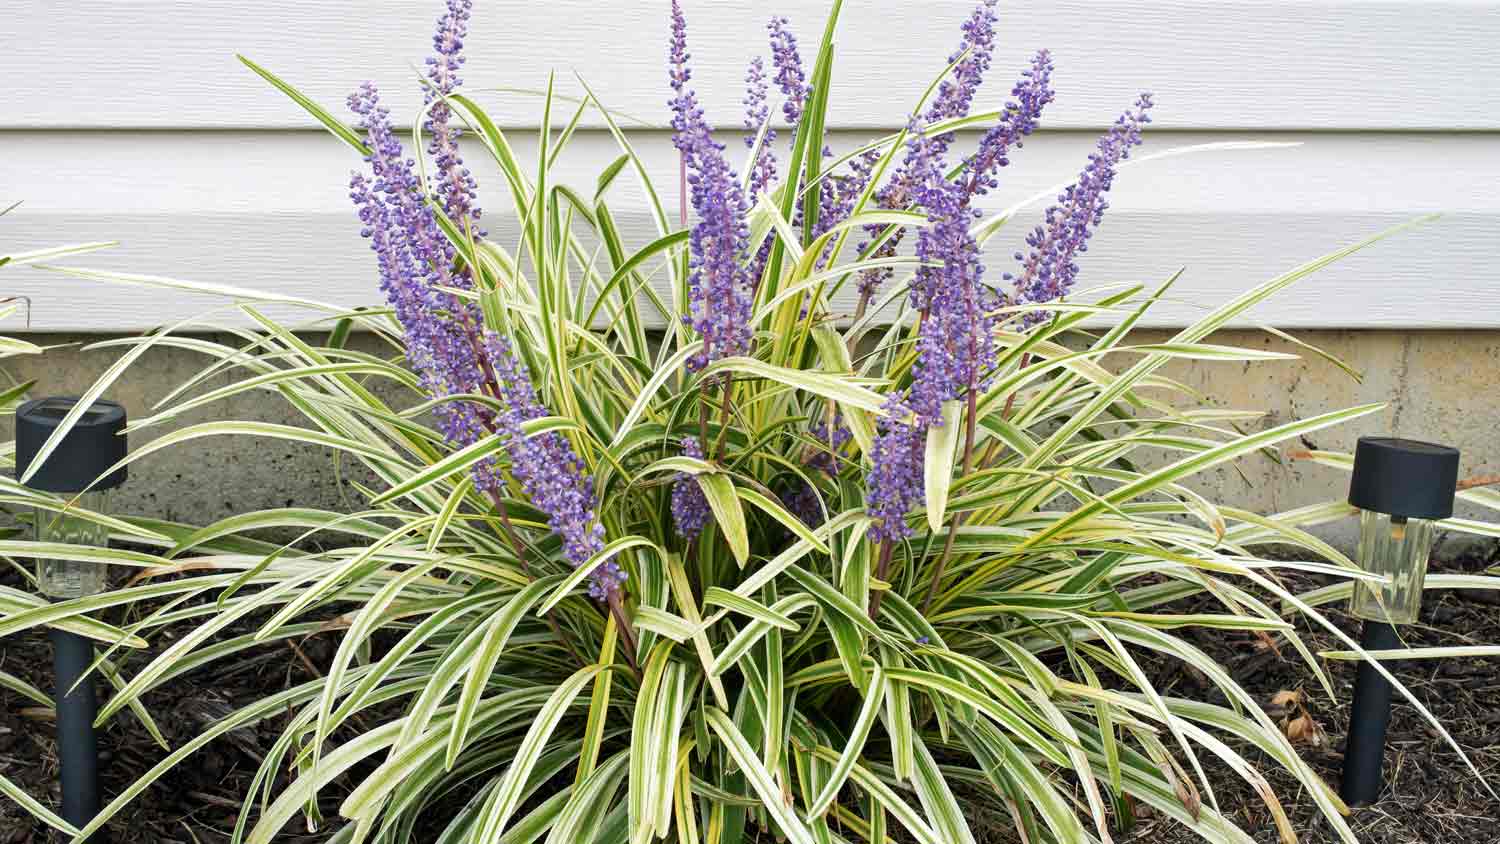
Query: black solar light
point(1400, 487)
point(90, 448)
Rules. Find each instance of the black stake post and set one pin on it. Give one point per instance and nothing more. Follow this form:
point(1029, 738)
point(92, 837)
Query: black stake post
point(92, 446)
point(1368, 717)
point(77, 746)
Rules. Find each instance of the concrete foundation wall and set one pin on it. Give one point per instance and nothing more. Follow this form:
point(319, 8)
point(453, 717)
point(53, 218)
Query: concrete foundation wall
point(1438, 386)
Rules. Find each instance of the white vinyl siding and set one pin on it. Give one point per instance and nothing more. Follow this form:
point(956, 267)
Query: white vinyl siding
point(133, 121)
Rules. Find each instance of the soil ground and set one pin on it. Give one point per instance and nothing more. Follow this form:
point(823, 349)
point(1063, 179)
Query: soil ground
point(1431, 797)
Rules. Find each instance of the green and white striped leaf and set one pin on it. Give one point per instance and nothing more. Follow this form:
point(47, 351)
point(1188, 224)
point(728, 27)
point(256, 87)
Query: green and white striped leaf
point(760, 779)
point(507, 795)
point(723, 501)
point(938, 466)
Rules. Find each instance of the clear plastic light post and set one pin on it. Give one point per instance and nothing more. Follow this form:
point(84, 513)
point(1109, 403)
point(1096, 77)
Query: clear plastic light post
point(1401, 488)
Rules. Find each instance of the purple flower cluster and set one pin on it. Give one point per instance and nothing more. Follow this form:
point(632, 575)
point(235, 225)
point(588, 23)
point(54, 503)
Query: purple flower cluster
point(550, 472)
point(445, 338)
point(956, 344)
point(895, 482)
point(831, 439)
point(957, 338)
point(689, 505)
point(719, 288)
point(955, 95)
point(1049, 270)
point(414, 259)
point(790, 77)
point(802, 501)
point(456, 186)
point(757, 112)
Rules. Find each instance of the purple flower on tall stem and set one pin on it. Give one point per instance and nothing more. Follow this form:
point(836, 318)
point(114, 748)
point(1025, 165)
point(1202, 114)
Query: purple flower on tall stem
point(414, 259)
point(757, 113)
point(690, 509)
point(445, 337)
point(550, 471)
point(956, 92)
point(1020, 117)
point(790, 77)
point(895, 482)
point(456, 186)
point(719, 287)
point(763, 171)
point(1050, 268)
point(953, 98)
point(956, 342)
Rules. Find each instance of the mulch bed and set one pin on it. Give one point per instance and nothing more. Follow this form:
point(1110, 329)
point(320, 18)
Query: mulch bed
point(1431, 796)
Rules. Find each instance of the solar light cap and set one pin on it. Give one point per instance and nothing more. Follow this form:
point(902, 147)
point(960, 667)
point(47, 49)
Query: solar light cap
point(92, 445)
point(1407, 478)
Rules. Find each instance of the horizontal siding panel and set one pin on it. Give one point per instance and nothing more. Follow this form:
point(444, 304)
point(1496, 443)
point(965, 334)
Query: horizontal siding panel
point(1441, 276)
point(269, 210)
point(1214, 64)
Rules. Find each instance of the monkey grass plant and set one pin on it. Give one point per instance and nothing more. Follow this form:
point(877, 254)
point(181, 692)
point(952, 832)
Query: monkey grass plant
point(864, 523)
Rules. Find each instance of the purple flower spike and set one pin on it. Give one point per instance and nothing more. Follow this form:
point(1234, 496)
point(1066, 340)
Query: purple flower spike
point(956, 347)
point(689, 505)
point(414, 260)
point(456, 186)
point(954, 96)
point(973, 56)
point(444, 334)
point(789, 75)
point(757, 112)
point(1018, 119)
point(550, 472)
point(895, 483)
point(1050, 268)
point(719, 287)
point(685, 111)
point(957, 342)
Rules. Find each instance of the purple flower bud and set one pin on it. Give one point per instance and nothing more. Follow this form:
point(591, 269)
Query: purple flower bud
point(789, 75)
point(832, 440)
point(690, 509)
point(895, 484)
